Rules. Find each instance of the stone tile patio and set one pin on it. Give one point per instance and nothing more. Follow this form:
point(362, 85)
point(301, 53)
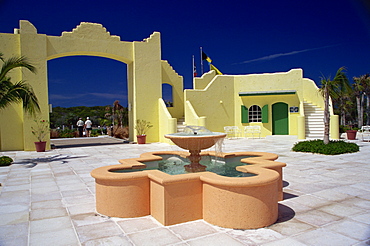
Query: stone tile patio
point(48, 199)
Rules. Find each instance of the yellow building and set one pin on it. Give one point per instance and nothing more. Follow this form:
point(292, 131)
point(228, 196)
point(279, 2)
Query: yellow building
point(281, 103)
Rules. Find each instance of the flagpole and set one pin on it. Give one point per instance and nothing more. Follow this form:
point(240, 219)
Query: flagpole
point(201, 60)
point(193, 68)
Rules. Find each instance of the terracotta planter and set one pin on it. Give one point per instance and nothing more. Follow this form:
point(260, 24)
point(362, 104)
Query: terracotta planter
point(351, 134)
point(40, 146)
point(141, 139)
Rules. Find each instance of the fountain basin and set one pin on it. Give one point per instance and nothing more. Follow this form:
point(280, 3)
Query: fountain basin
point(239, 203)
point(195, 139)
point(195, 142)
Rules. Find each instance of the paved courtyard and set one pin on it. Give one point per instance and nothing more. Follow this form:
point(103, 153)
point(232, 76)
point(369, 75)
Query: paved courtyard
point(48, 199)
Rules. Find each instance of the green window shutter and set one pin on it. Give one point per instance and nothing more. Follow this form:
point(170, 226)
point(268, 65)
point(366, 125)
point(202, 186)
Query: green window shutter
point(265, 114)
point(245, 115)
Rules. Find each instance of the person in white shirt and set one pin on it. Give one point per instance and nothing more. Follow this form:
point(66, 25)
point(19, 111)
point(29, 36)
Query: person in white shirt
point(88, 126)
point(80, 126)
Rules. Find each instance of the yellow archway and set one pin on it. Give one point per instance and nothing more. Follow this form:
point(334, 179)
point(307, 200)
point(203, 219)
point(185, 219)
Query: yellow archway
point(146, 72)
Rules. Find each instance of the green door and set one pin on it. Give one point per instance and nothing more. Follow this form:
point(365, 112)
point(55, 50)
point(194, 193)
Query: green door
point(280, 122)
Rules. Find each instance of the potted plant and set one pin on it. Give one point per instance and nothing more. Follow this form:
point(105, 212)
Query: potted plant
point(351, 133)
point(40, 131)
point(142, 126)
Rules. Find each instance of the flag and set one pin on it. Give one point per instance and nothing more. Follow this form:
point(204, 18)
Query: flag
point(205, 57)
point(194, 69)
point(218, 72)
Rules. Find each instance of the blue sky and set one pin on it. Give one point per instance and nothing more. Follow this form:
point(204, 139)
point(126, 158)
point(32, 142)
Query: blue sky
point(241, 37)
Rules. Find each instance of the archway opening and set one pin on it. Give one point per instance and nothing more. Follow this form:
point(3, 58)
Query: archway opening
point(167, 94)
point(86, 86)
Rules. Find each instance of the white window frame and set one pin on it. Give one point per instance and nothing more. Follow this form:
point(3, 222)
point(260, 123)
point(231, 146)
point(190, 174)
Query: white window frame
point(255, 113)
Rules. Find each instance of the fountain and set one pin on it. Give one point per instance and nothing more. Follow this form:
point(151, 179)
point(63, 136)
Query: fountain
point(195, 139)
point(135, 188)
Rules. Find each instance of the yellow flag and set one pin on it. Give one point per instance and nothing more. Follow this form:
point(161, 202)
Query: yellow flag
point(218, 72)
point(205, 57)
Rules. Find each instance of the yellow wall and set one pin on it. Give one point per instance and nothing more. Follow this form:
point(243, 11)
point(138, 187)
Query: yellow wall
point(147, 83)
point(248, 101)
point(11, 123)
point(167, 124)
point(215, 102)
point(169, 76)
point(146, 73)
point(200, 83)
point(192, 118)
point(217, 99)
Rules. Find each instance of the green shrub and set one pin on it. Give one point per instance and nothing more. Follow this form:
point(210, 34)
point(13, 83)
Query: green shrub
point(332, 148)
point(344, 128)
point(67, 133)
point(95, 132)
point(5, 161)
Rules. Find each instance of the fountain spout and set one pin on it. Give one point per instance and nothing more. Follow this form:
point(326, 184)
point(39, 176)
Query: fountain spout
point(195, 139)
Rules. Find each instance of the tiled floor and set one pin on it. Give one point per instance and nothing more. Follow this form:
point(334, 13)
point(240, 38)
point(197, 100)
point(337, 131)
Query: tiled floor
point(48, 199)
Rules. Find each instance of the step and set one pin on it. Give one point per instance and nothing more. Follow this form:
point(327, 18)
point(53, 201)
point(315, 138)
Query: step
point(180, 124)
point(314, 121)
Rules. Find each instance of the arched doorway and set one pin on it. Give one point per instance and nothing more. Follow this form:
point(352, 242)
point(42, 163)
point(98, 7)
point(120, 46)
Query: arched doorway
point(145, 72)
point(86, 81)
point(81, 86)
point(280, 121)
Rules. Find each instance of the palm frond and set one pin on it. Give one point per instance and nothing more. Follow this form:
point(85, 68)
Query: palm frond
point(15, 62)
point(19, 92)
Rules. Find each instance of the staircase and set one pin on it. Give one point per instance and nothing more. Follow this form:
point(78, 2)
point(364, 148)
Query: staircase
point(314, 120)
point(180, 124)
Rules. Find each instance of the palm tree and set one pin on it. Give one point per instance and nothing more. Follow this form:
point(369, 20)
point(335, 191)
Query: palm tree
point(332, 89)
point(342, 98)
point(363, 82)
point(360, 89)
point(20, 91)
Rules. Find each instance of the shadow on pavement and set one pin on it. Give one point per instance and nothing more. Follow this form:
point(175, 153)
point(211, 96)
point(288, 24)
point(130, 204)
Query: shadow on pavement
point(30, 163)
point(85, 142)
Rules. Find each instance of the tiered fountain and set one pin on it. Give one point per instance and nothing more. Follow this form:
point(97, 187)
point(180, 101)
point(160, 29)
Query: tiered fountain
point(132, 189)
point(195, 139)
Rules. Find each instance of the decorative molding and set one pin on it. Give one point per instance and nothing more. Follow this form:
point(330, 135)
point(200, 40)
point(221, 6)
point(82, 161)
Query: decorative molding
point(88, 30)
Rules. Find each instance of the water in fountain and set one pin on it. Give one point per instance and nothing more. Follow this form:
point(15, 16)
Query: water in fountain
point(197, 130)
point(174, 165)
point(195, 139)
point(218, 148)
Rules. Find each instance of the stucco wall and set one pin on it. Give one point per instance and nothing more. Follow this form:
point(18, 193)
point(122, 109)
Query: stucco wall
point(11, 125)
point(220, 103)
point(248, 101)
point(167, 124)
point(144, 66)
point(147, 83)
point(169, 76)
point(215, 102)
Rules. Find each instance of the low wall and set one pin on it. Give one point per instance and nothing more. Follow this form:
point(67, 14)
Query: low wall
point(239, 203)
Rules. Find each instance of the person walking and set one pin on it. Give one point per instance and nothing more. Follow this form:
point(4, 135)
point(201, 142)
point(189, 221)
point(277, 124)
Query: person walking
point(88, 126)
point(80, 126)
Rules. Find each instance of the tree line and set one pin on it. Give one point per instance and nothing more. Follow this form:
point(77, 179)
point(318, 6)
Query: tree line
point(351, 99)
point(99, 115)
